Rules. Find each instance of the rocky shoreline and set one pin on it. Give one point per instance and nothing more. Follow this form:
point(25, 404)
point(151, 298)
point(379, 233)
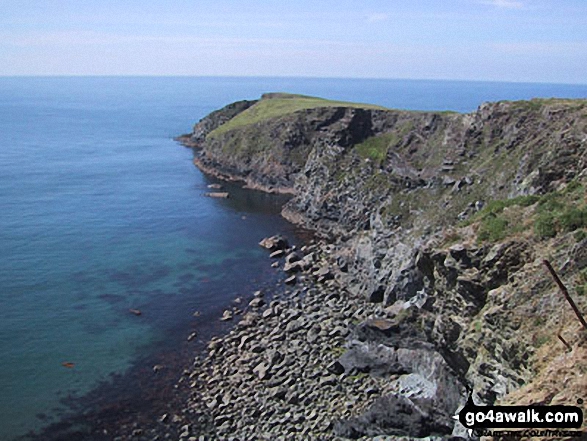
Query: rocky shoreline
point(294, 367)
point(426, 283)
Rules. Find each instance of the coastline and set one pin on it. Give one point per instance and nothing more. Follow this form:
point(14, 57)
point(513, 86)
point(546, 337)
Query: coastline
point(411, 285)
point(212, 170)
point(147, 402)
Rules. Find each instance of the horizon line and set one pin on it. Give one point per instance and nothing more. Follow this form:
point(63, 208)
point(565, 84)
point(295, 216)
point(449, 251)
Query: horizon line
point(290, 77)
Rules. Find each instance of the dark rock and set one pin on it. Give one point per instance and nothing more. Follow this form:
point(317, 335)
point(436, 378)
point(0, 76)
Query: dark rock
point(277, 254)
point(293, 257)
point(274, 243)
point(257, 302)
point(377, 295)
point(336, 368)
point(397, 415)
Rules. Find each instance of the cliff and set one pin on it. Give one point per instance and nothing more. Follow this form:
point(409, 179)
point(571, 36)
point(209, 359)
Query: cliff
point(441, 221)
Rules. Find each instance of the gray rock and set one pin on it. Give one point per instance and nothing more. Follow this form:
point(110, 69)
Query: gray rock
point(262, 371)
point(257, 302)
point(227, 315)
point(274, 243)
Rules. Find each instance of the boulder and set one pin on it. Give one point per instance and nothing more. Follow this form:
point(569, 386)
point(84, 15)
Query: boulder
point(257, 302)
point(275, 243)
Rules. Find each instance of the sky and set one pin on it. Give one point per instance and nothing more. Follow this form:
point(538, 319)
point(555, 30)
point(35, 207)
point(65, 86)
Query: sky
point(487, 40)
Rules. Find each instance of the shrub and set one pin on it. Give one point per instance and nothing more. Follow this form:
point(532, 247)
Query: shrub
point(573, 218)
point(544, 226)
point(493, 228)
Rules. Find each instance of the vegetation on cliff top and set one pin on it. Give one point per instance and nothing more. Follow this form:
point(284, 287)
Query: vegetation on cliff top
point(273, 105)
point(556, 212)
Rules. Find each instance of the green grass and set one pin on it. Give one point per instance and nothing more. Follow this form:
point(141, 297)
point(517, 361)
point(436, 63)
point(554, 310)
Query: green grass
point(554, 213)
point(375, 148)
point(493, 228)
point(279, 104)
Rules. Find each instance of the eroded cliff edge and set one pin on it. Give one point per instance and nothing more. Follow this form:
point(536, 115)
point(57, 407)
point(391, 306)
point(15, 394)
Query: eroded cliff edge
point(441, 221)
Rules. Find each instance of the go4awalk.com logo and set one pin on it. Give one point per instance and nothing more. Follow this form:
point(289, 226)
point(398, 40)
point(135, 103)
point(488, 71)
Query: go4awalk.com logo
point(476, 418)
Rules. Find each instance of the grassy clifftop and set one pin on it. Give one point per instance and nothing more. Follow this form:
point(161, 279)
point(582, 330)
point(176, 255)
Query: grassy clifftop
point(274, 105)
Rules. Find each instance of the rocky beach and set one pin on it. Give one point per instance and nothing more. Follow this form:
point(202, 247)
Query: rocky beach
point(425, 279)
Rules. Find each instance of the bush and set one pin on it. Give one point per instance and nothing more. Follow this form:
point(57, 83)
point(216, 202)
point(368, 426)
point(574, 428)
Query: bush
point(573, 218)
point(544, 226)
point(493, 228)
point(580, 235)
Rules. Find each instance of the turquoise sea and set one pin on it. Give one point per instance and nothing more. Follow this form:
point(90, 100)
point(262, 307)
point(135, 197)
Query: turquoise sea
point(102, 212)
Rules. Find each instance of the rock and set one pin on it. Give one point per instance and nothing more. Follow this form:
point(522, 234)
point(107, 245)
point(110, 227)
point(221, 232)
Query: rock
point(294, 267)
point(219, 194)
point(293, 257)
point(268, 313)
point(257, 349)
point(262, 371)
point(336, 368)
point(192, 336)
point(417, 420)
point(215, 344)
point(244, 340)
point(257, 302)
point(291, 280)
point(274, 243)
point(328, 381)
point(227, 315)
point(277, 254)
point(323, 274)
point(382, 325)
point(376, 296)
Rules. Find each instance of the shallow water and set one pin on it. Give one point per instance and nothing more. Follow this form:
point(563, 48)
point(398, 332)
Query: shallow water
point(102, 212)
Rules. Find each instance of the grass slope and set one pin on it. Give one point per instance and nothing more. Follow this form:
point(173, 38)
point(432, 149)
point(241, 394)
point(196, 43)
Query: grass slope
point(274, 105)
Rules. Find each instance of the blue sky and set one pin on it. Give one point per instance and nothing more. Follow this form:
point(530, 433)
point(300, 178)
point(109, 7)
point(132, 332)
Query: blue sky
point(496, 40)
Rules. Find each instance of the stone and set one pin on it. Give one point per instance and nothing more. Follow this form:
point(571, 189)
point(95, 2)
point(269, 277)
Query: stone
point(336, 368)
point(227, 315)
point(330, 380)
point(294, 267)
point(291, 280)
point(262, 371)
point(268, 313)
point(277, 254)
point(293, 257)
point(257, 302)
point(217, 194)
point(274, 243)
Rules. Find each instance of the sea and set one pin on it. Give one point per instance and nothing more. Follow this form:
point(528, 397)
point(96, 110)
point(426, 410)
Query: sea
point(103, 216)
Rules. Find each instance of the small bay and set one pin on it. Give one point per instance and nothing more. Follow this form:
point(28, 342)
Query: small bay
point(102, 212)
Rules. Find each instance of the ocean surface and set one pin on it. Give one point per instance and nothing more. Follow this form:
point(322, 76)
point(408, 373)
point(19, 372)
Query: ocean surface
point(102, 212)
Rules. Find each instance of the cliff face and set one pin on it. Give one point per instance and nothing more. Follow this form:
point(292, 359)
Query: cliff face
point(443, 219)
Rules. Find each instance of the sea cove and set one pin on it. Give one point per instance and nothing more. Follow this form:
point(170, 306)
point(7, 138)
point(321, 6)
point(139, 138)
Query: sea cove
point(103, 212)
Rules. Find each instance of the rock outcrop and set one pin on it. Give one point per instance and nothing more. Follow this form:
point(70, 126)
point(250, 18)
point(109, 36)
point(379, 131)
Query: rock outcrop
point(402, 205)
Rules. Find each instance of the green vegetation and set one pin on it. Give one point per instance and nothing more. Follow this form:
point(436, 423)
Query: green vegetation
point(554, 213)
point(493, 228)
point(279, 104)
point(375, 148)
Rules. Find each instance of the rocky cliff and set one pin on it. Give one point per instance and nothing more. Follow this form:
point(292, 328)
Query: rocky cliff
point(441, 222)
